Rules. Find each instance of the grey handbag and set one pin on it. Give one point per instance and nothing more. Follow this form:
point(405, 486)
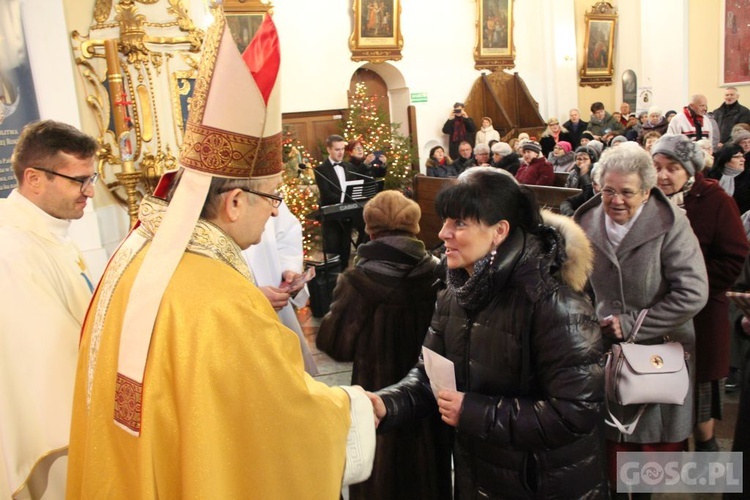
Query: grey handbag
point(644, 374)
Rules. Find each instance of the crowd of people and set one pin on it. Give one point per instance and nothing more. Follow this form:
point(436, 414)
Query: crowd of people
point(184, 372)
point(656, 231)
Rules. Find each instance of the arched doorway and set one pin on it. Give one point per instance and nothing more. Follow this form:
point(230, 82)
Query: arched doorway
point(386, 85)
point(377, 90)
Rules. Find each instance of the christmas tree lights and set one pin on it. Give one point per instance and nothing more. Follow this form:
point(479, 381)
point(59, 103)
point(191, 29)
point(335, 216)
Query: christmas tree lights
point(300, 191)
point(368, 124)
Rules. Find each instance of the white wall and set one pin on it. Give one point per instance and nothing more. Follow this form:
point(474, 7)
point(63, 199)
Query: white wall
point(439, 39)
point(664, 52)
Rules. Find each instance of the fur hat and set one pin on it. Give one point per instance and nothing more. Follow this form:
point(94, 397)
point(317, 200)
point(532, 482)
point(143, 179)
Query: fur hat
point(682, 150)
point(502, 148)
point(391, 211)
point(532, 146)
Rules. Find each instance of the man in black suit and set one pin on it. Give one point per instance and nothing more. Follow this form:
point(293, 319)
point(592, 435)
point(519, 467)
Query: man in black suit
point(575, 126)
point(330, 177)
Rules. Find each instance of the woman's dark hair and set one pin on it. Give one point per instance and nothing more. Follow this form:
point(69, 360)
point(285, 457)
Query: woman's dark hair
point(724, 156)
point(351, 145)
point(490, 197)
point(432, 151)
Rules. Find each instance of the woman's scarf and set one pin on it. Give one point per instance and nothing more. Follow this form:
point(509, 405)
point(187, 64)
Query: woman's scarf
point(678, 198)
point(473, 291)
point(727, 179)
point(459, 130)
point(696, 121)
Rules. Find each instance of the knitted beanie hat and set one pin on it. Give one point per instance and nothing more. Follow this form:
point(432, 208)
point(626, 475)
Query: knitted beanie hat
point(682, 150)
point(593, 154)
point(532, 146)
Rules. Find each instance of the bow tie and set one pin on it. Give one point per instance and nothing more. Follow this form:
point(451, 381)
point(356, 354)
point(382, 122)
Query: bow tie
point(337, 164)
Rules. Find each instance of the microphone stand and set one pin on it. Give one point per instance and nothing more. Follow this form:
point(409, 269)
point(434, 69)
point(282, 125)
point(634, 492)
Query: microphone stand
point(321, 213)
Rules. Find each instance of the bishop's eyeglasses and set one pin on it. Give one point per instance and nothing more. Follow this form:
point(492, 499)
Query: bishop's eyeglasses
point(274, 199)
point(85, 181)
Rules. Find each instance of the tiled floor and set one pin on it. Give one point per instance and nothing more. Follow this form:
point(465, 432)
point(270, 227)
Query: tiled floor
point(336, 373)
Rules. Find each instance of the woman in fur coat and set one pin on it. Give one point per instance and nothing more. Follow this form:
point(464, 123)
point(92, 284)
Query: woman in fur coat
point(380, 313)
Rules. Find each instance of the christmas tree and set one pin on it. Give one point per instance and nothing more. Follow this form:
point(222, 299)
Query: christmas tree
point(368, 124)
point(300, 191)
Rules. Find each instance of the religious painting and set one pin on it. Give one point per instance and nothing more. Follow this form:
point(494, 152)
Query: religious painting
point(182, 84)
point(599, 44)
point(494, 43)
point(735, 43)
point(244, 18)
point(377, 31)
point(18, 104)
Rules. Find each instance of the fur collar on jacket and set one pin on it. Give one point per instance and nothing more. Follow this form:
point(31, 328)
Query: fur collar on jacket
point(579, 262)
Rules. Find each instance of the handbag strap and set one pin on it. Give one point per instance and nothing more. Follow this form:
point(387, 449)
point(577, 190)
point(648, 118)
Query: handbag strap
point(624, 428)
point(637, 326)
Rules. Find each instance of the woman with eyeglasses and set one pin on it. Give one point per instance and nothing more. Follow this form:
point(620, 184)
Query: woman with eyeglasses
point(646, 257)
point(729, 169)
point(716, 222)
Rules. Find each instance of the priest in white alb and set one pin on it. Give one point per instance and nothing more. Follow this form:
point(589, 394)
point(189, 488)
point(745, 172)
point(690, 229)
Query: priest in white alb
point(45, 289)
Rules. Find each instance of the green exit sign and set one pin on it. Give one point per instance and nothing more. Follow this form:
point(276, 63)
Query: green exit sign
point(418, 97)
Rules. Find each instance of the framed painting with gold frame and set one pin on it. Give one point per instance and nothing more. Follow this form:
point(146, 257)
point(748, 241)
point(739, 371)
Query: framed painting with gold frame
point(377, 31)
point(244, 18)
point(494, 43)
point(599, 45)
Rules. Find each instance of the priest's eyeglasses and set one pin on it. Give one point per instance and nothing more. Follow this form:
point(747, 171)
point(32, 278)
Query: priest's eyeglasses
point(274, 199)
point(84, 181)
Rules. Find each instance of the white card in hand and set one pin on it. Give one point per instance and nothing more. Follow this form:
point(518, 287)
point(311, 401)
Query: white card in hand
point(440, 371)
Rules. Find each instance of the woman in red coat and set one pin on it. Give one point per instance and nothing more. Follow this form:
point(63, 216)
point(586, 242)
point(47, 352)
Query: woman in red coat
point(716, 223)
point(535, 170)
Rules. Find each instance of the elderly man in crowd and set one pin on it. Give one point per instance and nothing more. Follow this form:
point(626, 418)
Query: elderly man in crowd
point(692, 121)
point(575, 127)
point(730, 113)
point(465, 157)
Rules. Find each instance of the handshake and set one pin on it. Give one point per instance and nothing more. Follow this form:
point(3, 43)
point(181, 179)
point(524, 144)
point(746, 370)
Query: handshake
point(449, 405)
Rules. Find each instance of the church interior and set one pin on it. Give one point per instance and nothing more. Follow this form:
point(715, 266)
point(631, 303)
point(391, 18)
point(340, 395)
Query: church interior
point(429, 67)
point(124, 71)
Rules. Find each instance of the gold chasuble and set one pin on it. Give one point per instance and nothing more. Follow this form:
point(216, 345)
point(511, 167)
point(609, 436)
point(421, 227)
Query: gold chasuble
point(227, 410)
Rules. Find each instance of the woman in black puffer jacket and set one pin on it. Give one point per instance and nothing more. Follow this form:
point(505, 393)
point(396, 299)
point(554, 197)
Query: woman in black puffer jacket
point(514, 320)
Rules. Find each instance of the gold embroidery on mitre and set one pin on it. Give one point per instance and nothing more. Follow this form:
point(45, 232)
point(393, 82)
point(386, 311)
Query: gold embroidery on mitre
point(128, 400)
point(206, 69)
point(218, 152)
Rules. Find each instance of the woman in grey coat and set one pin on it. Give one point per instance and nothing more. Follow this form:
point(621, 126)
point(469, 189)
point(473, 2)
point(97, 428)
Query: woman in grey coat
point(646, 256)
